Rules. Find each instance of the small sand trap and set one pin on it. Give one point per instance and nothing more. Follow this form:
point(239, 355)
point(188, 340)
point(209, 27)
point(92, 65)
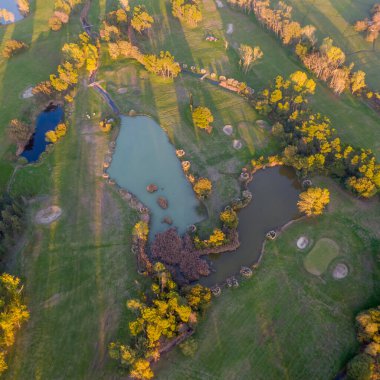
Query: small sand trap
point(28, 93)
point(237, 144)
point(230, 28)
point(122, 90)
point(228, 129)
point(219, 4)
point(48, 215)
point(302, 242)
point(340, 271)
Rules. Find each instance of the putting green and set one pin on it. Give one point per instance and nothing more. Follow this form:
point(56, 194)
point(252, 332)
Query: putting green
point(319, 258)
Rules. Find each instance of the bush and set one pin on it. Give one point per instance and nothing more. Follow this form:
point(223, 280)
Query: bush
point(189, 347)
point(55, 23)
point(203, 187)
point(360, 367)
point(202, 117)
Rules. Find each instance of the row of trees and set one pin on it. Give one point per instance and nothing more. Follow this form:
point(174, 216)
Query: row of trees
point(62, 12)
point(13, 313)
point(187, 11)
point(371, 26)
point(309, 142)
point(162, 317)
point(326, 61)
point(365, 365)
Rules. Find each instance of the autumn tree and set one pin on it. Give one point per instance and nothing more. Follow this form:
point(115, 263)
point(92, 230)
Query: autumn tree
point(203, 187)
point(202, 117)
point(19, 132)
point(249, 55)
point(162, 65)
point(313, 201)
point(141, 20)
point(13, 47)
point(23, 6)
point(358, 81)
point(188, 11)
point(229, 218)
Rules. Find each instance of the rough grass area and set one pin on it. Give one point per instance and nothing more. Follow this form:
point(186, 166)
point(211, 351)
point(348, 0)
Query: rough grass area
point(284, 323)
point(323, 253)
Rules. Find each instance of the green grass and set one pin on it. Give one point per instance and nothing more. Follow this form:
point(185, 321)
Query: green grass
point(323, 253)
point(285, 323)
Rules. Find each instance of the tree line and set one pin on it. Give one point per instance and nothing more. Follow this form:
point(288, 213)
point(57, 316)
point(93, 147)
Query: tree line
point(309, 142)
point(326, 61)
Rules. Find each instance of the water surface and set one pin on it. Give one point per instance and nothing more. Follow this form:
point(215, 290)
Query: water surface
point(274, 203)
point(144, 155)
point(11, 6)
point(46, 121)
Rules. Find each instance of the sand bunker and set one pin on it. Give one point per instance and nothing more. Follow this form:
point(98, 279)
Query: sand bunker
point(230, 28)
point(228, 129)
point(122, 90)
point(237, 144)
point(340, 271)
point(28, 93)
point(302, 242)
point(219, 4)
point(48, 215)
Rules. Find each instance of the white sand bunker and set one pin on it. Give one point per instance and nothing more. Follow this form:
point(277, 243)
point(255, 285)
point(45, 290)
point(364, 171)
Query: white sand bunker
point(219, 4)
point(237, 144)
point(228, 129)
point(230, 28)
point(122, 90)
point(48, 215)
point(340, 271)
point(28, 93)
point(302, 242)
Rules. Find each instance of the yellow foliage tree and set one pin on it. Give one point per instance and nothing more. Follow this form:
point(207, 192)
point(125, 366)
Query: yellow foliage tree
point(313, 201)
point(203, 187)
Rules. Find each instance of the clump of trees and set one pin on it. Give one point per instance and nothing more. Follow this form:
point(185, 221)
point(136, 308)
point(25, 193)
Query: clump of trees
point(371, 26)
point(187, 11)
point(310, 144)
point(202, 117)
point(216, 239)
point(6, 16)
point(23, 6)
point(203, 187)
point(176, 252)
point(163, 65)
point(364, 366)
point(141, 19)
point(249, 56)
point(19, 133)
point(313, 201)
point(54, 135)
point(62, 12)
point(13, 47)
point(13, 313)
point(163, 318)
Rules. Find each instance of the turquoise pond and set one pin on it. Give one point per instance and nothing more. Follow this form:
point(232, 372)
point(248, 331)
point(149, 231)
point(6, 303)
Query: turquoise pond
point(11, 6)
point(144, 155)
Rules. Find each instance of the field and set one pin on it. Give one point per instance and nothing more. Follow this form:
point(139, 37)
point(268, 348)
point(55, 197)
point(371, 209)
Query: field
point(78, 272)
point(318, 259)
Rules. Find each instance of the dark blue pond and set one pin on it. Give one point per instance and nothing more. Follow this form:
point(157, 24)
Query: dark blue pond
point(46, 121)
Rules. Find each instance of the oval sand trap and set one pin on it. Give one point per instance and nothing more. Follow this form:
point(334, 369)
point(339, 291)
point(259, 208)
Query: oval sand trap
point(302, 242)
point(318, 259)
point(48, 215)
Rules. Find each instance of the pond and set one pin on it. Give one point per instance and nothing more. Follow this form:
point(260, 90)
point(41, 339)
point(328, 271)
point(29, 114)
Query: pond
point(275, 194)
point(46, 121)
point(10, 6)
point(143, 156)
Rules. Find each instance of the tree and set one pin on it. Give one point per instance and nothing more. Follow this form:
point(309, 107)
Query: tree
point(358, 81)
point(249, 55)
point(229, 218)
point(313, 201)
point(360, 367)
point(202, 117)
point(23, 6)
point(203, 187)
point(141, 20)
point(188, 11)
point(55, 23)
point(19, 132)
point(13, 47)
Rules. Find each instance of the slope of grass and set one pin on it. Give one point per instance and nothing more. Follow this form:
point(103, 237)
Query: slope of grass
point(285, 322)
point(318, 259)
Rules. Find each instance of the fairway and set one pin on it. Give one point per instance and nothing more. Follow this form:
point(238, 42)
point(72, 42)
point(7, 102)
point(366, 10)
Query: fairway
point(318, 259)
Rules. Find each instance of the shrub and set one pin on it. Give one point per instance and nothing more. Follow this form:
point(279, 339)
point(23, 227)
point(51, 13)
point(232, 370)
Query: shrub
point(229, 218)
point(360, 367)
point(203, 187)
point(313, 201)
point(55, 23)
